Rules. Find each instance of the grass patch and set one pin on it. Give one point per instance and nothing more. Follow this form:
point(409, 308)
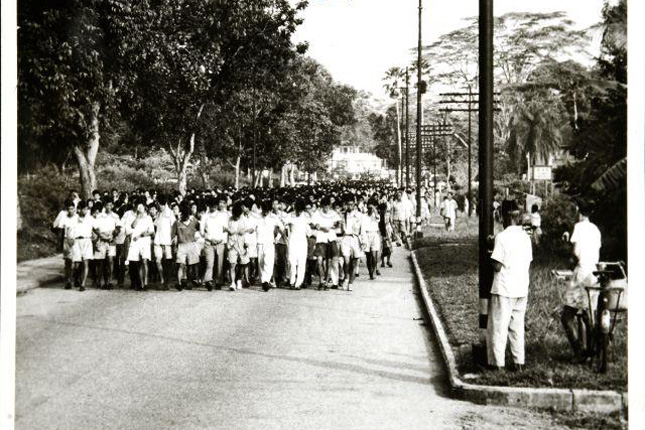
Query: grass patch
point(449, 262)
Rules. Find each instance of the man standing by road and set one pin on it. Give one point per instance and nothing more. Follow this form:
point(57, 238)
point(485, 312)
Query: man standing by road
point(586, 240)
point(448, 211)
point(511, 260)
point(66, 224)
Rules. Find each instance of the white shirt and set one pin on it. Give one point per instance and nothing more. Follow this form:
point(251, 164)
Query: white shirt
point(326, 220)
point(266, 229)
point(536, 220)
point(59, 219)
point(586, 240)
point(449, 208)
point(513, 250)
point(67, 224)
point(298, 229)
point(126, 221)
point(163, 227)
point(106, 224)
point(143, 225)
point(83, 227)
point(212, 227)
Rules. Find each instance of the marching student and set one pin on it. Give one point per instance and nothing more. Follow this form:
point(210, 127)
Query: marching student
point(237, 254)
point(123, 244)
point(82, 251)
point(298, 225)
point(213, 228)
point(141, 230)
point(66, 224)
point(269, 227)
point(350, 247)
point(183, 233)
point(371, 241)
point(106, 226)
point(324, 222)
point(162, 242)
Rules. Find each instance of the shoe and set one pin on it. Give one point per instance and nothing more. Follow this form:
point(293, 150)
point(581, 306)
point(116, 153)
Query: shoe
point(188, 285)
point(232, 287)
point(357, 275)
point(389, 264)
point(144, 288)
point(218, 287)
point(209, 286)
point(109, 286)
point(238, 284)
point(378, 273)
point(178, 287)
point(321, 286)
point(383, 265)
point(68, 286)
point(81, 288)
point(197, 283)
point(266, 286)
point(372, 277)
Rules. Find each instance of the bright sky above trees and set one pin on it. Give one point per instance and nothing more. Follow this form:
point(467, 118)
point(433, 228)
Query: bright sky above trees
point(358, 40)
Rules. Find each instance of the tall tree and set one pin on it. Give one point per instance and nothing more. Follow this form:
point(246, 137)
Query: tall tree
point(392, 84)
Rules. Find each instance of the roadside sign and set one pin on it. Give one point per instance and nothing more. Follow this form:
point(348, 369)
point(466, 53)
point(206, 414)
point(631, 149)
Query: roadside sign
point(542, 173)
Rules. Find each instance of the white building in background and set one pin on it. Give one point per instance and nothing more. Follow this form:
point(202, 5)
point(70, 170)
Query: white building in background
point(352, 161)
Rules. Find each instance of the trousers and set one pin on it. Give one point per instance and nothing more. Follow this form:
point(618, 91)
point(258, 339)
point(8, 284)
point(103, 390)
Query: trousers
point(214, 254)
point(505, 322)
point(297, 256)
point(266, 259)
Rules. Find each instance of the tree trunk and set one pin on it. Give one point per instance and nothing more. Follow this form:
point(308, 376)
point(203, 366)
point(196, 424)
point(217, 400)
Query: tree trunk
point(292, 179)
point(86, 155)
point(270, 181)
point(182, 180)
point(283, 176)
point(181, 158)
point(237, 172)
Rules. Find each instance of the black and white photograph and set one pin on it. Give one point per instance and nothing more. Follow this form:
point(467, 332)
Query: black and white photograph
point(322, 214)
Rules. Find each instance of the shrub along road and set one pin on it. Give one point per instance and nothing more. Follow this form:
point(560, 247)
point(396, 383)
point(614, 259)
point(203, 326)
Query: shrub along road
point(243, 360)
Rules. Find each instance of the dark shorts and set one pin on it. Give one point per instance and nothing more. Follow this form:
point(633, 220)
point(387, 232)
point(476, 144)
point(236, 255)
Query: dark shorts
point(327, 250)
point(311, 247)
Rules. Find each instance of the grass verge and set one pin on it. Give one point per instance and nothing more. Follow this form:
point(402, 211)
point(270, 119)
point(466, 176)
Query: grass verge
point(449, 262)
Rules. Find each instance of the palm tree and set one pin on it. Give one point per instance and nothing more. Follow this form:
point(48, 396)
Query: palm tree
point(391, 84)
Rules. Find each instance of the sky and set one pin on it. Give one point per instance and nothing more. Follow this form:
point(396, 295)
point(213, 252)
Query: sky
point(358, 40)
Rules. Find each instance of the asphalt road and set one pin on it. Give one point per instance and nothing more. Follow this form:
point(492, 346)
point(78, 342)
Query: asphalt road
point(239, 360)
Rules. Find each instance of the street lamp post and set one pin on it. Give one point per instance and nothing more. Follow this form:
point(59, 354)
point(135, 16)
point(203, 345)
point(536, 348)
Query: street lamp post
point(407, 128)
point(486, 225)
point(419, 118)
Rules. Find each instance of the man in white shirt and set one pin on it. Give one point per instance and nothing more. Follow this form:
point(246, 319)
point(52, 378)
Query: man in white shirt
point(324, 223)
point(82, 251)
point(123, 245)
point(141, 230)
point(511, 260)
point(106, 225)
point(65, 221)
point(400, 216)
point(448, 211)
point(350, 247)
point(269, 226)
point(586, 240)
point(213, 230)
point(162, 242)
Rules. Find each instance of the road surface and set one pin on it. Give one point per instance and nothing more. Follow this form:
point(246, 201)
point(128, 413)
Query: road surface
point(239, 360)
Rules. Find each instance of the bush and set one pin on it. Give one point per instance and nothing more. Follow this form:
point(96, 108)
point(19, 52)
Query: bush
point(558, 216)
point(41, 197)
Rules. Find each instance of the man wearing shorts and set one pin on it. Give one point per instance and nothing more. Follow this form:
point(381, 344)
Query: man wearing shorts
point(66, 224)
point(82, 250)
point(326, 251)
point(183, 233)
point(106, 225)
point(163, 240)
point(141, 230)
point(350, 247)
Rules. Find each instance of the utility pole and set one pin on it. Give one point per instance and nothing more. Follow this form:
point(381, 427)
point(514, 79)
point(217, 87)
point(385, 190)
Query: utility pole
point(254, 144)
point(407, 128)
point(470, 155)
point(419, 118)
point(486, 225)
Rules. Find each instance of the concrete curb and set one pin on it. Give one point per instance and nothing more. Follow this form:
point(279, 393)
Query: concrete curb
point(557, 398)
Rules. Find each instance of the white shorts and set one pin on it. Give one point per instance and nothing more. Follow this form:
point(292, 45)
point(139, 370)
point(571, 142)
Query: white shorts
point(187, 253)
point(140, 249)
point(82, 250)
point(252, 249)
point(372, 242)
point(103, 249)
point(163, 252)
point(350, 247)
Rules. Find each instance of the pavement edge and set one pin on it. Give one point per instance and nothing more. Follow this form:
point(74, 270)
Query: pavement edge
point(555, 398)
